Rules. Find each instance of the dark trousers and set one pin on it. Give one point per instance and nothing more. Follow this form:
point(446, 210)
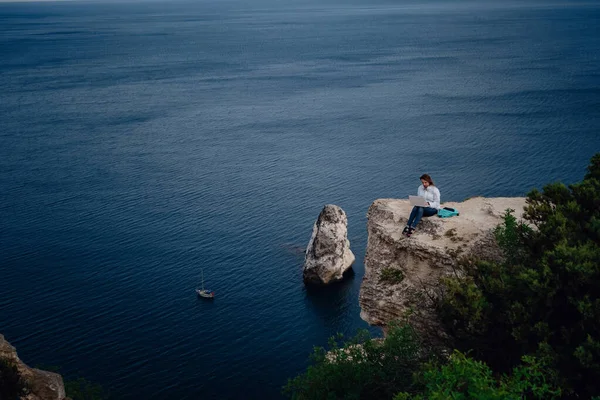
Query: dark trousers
point(419, 212)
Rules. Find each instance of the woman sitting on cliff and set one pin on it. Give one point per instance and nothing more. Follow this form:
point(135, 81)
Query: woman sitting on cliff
point(432, 197)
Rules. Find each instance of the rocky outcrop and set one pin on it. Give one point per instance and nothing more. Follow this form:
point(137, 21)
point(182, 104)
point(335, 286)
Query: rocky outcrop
point(328, 254)
point(43, 385)
point(402, 274)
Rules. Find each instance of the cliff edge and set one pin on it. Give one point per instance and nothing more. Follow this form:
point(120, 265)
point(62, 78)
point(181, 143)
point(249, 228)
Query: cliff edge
point(43, 385)
point(402, 274)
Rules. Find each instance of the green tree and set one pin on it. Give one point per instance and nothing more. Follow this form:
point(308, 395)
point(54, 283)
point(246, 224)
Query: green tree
point(463, 378)
point(544, 299)
point(362, 368)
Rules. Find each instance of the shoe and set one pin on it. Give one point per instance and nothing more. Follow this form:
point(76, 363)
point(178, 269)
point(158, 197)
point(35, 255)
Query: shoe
point(410, 231)
point(406, 229)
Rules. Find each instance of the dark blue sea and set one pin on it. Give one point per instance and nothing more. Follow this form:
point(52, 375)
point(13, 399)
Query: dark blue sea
point(143, 142)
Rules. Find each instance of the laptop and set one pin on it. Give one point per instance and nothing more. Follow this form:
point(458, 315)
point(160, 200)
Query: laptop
point(418, 201)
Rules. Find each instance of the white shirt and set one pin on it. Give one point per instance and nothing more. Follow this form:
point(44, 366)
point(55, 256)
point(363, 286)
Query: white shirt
point(431, 194)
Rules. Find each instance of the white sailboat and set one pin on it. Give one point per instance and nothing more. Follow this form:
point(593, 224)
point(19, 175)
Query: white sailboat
point(206, 293)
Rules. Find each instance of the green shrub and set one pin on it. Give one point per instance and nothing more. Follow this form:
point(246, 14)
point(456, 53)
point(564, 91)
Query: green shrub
point(544, 299)
point(463, 378)
point(362, 368)
point(391, 276)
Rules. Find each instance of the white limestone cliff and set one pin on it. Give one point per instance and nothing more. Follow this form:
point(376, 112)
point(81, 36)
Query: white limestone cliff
point(42, 385)
point(402, 274)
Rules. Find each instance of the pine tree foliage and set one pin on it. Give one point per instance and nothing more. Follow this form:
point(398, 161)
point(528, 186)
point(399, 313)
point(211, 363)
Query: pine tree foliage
point(544, 299)
point(463, 378)
point(361, 368)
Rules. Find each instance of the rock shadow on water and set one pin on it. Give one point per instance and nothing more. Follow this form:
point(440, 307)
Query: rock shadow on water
point(330, 302)
point(294, 249)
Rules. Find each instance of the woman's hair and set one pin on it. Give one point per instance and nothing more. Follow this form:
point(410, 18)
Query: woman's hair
point(427, 178)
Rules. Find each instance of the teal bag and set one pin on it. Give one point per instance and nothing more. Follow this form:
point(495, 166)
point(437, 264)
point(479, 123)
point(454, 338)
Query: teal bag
point(447, 212)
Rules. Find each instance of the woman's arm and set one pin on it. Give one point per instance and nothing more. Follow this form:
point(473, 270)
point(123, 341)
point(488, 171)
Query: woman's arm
point(436, 198)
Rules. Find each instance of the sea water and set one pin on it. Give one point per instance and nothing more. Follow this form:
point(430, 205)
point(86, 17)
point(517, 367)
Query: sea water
point(141, 143)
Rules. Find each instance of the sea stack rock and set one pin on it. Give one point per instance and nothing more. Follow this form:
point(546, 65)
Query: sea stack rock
point(328, 254)
point(43, 385)
point(402, 275)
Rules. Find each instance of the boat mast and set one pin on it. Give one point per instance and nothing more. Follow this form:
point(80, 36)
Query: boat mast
point(202, 279)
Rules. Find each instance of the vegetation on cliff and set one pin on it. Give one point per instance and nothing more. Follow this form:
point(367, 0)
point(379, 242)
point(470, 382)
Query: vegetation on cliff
point(361, 368)
point(12, 384)
point(526, 327)
point(544, 299)
point(82, 389)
